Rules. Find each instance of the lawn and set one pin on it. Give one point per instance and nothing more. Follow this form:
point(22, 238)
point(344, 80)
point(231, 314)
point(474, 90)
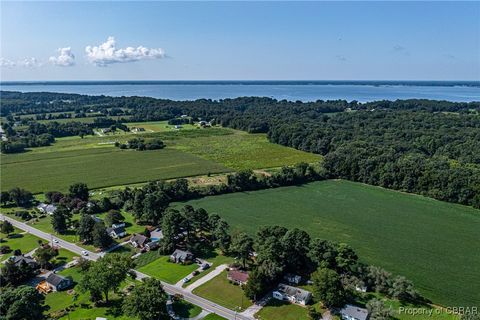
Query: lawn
point(213, 316)
point(276, 309)
point(185, 309)
point(220, 291)
point(433, 243)
point(167, 271)
point(98, 167)
point(23, 241)
point(242, 150)
point(64, 256)
point(45, 224)
point(58, 301)
point(130, 226)
point(216, 259)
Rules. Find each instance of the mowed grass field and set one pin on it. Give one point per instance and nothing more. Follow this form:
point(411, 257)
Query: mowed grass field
point(102, 167)
point(433, 243)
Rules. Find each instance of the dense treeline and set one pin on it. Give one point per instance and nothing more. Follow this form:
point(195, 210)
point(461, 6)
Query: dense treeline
point(140, 144)
point(421, 146)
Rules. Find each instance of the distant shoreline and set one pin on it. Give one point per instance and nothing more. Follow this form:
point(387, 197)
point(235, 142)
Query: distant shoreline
point(435, 83)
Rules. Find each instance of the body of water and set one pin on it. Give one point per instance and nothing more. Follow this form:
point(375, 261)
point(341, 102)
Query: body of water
point(289, 90)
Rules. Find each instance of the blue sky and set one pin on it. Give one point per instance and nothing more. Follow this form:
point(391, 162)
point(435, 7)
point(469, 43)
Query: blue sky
point(236, 41)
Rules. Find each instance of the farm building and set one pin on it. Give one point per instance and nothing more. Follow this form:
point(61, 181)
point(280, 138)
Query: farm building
point(292, 294)
point(351, 312)
point(137, 129)
point(238, 276)
point(180, 256)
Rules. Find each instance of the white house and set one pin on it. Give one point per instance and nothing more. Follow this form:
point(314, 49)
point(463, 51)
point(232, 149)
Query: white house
point(292, 294)
point(118, 225)
point(46, 208)
point(116, 232)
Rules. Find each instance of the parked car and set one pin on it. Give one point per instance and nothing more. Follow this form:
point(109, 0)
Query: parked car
point(205, 266)
point(185, 280)
point(194, 273)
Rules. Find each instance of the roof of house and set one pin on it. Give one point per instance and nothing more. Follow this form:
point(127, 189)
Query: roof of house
point(117, 225)
point(181, 255)
point(298, 293)
point(117, 230)
point(48, 208)
point(355, 312)
point(139, 239)
point(55, 279)
point(237, 275)
point(153, 244)
point(18, 259)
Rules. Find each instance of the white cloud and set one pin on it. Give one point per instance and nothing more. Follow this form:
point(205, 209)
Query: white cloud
point(107, 53)
point(29, 63)
point(65, 58)
point(5, 63)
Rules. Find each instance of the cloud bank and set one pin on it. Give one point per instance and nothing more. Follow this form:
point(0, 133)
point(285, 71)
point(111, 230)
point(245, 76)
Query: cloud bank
point(65, 58)
point(29, 63)
point(107, 53)
point(5, 63)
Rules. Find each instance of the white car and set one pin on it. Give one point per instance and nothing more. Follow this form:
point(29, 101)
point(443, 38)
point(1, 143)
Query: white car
point(185, 280)
point(85, 253)
point(55, 240)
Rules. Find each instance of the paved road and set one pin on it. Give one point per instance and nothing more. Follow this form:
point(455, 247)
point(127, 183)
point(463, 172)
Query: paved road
point(46, 236)
point(170, 289)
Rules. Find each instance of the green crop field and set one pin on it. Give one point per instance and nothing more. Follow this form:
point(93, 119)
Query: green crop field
point(101, 167)
point(241, 150)
point(406, 234)
point(95, 161)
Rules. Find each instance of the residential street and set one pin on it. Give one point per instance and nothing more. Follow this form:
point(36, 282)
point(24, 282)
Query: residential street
point(170, 289)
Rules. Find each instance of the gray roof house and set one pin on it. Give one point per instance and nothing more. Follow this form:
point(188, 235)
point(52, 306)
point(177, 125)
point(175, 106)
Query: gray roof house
point(46, 208)
point(152, 245)
point(117, 232)
point(292, 294)
point(19, 260)
point(139, 240)
point(118, 225)
point(351, 312)
point(58, 282)
point(180, 256)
